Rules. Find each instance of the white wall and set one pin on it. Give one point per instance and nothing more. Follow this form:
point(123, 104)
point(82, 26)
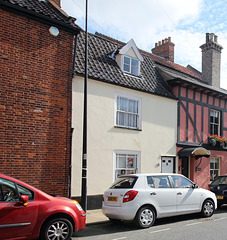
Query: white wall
point(157, 138)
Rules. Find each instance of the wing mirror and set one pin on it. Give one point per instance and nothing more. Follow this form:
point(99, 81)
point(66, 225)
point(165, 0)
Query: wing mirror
point(24, 200)
point(195, 186)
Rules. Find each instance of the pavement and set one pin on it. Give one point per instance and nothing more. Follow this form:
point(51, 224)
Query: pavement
point(95, 217)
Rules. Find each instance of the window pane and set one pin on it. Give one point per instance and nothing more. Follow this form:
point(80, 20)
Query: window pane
point(135, 67)
point(181, 182)
point(8, 191)
point(133, 106)
point(214, 122)
point(24, 191)
point(125, 164)
point(121, 161)
point(161, 182)
point(126, 60)
point(126, 64)
point(123, 104)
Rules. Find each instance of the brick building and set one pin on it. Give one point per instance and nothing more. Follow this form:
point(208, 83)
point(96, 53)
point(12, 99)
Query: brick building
point(36, 68)
point(202, 111)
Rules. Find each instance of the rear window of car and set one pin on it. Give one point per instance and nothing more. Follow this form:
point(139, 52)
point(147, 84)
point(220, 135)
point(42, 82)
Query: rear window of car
point(124, 182)
point(219, 180)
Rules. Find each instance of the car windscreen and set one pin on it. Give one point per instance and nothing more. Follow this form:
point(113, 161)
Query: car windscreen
point(124, 182)
point(219, 180)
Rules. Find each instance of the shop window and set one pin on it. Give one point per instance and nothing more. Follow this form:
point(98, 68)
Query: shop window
point(214, 168)
point(126, 163)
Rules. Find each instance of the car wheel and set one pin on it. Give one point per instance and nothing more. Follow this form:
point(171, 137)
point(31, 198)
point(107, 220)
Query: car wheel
point(145, 217)
point(59, 228)
point(207, 209)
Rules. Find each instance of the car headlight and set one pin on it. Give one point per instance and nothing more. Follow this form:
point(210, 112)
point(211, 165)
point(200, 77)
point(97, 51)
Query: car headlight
point(78, 205)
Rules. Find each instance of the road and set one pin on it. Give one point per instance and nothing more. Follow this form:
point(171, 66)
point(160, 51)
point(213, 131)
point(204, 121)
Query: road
point(190, 227)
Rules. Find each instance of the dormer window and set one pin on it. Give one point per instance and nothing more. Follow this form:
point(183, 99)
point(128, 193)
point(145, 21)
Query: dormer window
point(131, 65)
point(129, 58)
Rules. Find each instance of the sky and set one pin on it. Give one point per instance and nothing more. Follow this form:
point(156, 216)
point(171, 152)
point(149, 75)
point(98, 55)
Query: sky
point(150, 21)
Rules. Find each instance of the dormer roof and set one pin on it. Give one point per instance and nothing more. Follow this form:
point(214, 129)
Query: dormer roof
point(131, 44)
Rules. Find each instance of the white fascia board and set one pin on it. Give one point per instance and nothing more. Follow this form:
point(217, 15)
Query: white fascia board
point(131, 44)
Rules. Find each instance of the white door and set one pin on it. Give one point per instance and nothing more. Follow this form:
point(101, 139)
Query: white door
point(188, 198)
point(167, 165)
point(163, 196)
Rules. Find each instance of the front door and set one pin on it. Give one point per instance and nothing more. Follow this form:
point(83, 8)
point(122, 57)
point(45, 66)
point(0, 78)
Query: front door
point(167, 165)
point(185, 166)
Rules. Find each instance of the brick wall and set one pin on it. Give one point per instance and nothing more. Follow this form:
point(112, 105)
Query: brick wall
point(35, 103)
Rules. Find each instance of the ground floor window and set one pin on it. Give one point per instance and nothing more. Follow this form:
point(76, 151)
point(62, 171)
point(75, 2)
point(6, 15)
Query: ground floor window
point(214, 168)
point(126, 163)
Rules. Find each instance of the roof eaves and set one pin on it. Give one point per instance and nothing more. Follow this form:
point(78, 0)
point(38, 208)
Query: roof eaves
point(40, 17)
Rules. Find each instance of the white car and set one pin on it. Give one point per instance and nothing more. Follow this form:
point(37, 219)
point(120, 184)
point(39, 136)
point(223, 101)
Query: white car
point(145, 197)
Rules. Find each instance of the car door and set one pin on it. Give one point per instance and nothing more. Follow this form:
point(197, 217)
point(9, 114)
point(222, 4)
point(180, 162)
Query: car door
point(162, 195)
point(188, 197)
point(16, 220)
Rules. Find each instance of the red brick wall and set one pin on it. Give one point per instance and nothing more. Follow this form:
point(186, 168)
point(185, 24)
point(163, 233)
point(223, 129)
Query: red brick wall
point(165, 48)
point(35, 103)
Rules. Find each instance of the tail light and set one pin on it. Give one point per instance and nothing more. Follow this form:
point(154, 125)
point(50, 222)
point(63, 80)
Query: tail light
point(209, 188)
point(129, 196)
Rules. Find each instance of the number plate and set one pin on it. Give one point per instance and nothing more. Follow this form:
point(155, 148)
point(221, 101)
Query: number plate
point(112, 199)
point(220, 197)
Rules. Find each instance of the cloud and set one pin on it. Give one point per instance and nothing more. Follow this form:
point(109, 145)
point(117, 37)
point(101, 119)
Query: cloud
point(150, 21)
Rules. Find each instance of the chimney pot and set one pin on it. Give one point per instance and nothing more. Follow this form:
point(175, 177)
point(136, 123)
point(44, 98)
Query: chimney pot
point(165, 49)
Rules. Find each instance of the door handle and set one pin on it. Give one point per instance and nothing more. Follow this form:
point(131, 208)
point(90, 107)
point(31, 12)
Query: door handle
point(152, 193)
point(179, 193)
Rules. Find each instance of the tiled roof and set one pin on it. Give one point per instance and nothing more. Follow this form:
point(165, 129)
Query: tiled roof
point(41, 8)
point(103, 67)
point(162, 61)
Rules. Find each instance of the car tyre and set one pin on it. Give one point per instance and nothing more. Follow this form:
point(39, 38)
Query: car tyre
point(145, 217)
point(208, 208)
point(58, 228)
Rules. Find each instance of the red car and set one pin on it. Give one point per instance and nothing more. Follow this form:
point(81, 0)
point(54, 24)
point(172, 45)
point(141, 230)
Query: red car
point(28, 213)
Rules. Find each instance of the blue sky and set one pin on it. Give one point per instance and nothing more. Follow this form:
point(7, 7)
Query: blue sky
point(150, 21)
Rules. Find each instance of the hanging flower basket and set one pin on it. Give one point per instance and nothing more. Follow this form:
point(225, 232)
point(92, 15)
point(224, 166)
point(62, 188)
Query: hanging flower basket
point(212, 142)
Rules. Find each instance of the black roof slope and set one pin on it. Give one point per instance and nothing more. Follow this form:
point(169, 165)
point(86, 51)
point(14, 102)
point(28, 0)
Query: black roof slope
point(41, 10)
point(103, 67)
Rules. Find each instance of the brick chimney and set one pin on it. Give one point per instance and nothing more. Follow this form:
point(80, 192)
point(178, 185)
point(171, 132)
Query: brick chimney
point(211, 60)
point(58, 2)
point(165, 49)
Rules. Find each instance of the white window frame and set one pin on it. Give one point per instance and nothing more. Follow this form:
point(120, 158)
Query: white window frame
point(128, 168)
point(215, 160)
point(213, 124)
point(138, 100)
point(130, 65)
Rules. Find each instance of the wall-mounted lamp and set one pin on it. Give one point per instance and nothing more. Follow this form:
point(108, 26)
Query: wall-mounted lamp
point(54, 31)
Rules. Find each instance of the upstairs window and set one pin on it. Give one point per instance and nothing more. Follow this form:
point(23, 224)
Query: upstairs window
point(131, 65)
point(214, 122)
point(128, 112)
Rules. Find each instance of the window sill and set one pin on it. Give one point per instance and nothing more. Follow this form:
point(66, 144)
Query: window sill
point(128, 128)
